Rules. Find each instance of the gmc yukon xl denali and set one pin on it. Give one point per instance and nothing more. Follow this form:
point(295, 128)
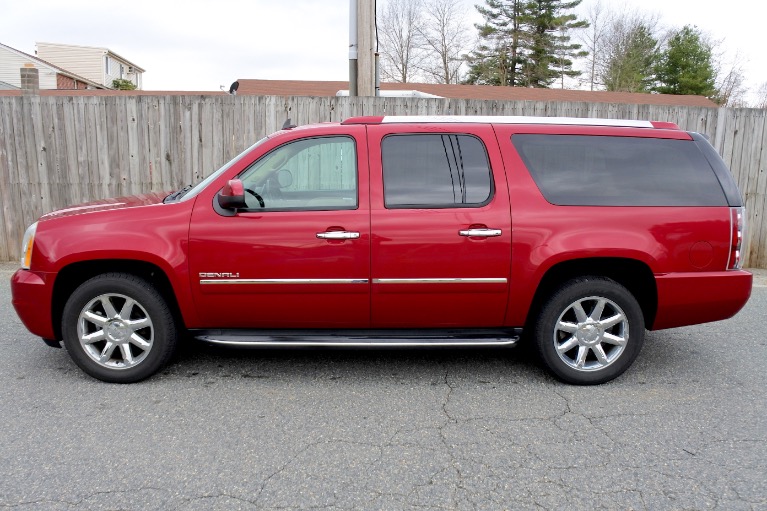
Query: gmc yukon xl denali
point(575, 235)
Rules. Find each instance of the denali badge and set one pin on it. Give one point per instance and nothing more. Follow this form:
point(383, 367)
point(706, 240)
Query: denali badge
point(219, 275)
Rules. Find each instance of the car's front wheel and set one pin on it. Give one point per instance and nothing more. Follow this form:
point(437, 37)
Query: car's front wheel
point(118, 328)
point(589, 331)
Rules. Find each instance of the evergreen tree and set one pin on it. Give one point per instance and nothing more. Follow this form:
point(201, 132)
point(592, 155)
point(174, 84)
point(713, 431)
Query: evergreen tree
point(686, 66)
point(550, 50)
point(524, 43)
point(499, 56)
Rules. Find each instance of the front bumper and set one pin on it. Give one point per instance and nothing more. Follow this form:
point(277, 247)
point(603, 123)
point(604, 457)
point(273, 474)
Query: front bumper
point(32, 293)
point(693, 298)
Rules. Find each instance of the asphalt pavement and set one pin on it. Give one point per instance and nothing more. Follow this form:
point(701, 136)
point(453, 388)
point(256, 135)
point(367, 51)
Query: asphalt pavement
point(684, 428)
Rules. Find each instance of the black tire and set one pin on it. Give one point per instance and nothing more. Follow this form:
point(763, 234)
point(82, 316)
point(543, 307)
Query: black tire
point(128, 349)
point(587, 348)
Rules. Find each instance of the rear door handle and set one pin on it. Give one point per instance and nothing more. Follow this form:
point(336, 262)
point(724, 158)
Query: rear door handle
point(482, 233)
point(338, 235)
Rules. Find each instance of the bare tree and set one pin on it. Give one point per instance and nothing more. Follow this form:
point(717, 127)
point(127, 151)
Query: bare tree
point(730, 84)
point(630, 51)
point(445, 40)
point(593, 39)
point(401, 40)
point(761, 96)
point(730, 78)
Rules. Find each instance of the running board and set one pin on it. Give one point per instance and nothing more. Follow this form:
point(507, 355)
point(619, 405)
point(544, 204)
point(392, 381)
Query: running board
point(360, 338)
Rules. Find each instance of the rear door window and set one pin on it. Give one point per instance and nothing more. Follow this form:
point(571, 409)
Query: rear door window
point(435, 171)
point(581, 170)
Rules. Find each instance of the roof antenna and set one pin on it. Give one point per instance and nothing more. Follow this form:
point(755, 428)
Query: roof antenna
point(287, 125)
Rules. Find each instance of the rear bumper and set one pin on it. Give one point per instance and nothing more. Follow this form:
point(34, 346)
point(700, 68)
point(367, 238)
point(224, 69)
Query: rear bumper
point(693, 298)
point(31, 294)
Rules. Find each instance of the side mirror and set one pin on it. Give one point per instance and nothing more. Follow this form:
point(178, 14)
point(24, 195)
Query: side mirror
point(232, 195)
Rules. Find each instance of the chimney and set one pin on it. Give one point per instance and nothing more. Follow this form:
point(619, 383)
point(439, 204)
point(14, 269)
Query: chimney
point(30, 80)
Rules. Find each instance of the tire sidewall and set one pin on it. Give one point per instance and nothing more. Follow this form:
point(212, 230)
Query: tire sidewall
point(571, 292)
point(154, 305)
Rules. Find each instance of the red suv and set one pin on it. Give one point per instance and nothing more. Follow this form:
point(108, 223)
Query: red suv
point(575, 234)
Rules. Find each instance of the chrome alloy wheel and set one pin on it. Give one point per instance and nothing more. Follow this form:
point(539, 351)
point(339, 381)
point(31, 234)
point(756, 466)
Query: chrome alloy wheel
point(115, 331)
point(591, 333)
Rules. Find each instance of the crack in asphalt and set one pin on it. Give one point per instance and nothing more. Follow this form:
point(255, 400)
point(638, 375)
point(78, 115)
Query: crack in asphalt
point(449, 419)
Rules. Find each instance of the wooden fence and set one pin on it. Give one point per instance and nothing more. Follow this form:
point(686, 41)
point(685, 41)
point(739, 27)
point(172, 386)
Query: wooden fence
point(56, 151)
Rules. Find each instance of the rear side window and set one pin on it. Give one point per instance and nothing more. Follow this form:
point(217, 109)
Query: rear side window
point(435, 171)
point(579, 170)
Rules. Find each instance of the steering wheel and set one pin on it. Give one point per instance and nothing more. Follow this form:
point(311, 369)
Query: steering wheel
point(257, 196)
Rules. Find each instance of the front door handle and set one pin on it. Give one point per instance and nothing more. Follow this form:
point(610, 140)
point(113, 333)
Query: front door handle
point(482, 233)
point(338, 235)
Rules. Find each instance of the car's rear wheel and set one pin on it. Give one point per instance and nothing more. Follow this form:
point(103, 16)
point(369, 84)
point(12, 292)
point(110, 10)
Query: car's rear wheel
point(118, 328)
point(589, 331)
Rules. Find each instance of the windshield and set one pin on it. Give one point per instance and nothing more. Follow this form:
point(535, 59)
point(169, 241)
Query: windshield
point(205, 182)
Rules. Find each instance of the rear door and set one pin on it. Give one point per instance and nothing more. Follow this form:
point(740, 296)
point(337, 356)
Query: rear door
point(441, 245)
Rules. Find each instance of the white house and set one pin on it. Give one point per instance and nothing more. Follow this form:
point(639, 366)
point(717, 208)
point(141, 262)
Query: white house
point(100, 65)
point(50, 76)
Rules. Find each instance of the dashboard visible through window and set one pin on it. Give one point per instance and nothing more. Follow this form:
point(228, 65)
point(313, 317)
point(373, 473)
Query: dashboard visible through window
point(317, 173)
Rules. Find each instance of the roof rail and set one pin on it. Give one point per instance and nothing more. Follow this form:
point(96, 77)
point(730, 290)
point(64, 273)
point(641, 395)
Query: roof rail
point(506, 119)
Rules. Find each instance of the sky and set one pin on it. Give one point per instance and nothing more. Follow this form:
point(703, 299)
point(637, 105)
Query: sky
point(200, 45)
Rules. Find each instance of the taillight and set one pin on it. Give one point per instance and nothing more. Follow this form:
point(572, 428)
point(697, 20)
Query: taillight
point(737, 232)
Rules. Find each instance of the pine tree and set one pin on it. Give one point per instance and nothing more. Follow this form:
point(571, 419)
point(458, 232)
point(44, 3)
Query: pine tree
point(499, 57)
point(686, 66)
point(551, 50)
point(525, 43)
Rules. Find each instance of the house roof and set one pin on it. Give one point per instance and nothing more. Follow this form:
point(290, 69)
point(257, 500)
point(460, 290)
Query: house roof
point(56, 68)
point(105, 50)
point(115, 92)
point(482, 92)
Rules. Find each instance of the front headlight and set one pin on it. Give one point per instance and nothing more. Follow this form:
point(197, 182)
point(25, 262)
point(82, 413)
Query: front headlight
point(26, 246)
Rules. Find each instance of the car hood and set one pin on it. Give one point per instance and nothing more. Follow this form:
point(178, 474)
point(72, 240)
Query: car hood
point(133, 201)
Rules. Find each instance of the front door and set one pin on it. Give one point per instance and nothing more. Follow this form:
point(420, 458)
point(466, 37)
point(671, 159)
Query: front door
point(299, 256)
point(441, 227)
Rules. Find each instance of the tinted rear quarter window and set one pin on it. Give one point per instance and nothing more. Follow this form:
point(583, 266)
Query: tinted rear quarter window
point(581, 170)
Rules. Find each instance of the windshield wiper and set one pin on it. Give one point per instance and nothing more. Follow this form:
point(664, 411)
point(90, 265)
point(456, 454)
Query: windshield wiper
point(177, 195)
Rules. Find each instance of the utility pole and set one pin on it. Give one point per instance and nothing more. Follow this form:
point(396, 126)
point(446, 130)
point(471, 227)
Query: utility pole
point(362, 48)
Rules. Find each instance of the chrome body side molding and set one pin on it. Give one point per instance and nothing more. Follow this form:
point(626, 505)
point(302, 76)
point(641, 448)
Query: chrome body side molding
point(284, 281)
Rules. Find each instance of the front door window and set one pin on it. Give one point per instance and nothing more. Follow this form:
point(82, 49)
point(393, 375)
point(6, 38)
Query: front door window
point(308, 174)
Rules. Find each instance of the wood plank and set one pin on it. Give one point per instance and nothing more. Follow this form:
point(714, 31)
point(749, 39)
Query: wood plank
point(61, 183)
point(47, 147)
point(69, 146)
point(30, 187)
point(136, 184)
point(7, 201)
point(186, 123)
point(142, 144)
point(756, 207)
